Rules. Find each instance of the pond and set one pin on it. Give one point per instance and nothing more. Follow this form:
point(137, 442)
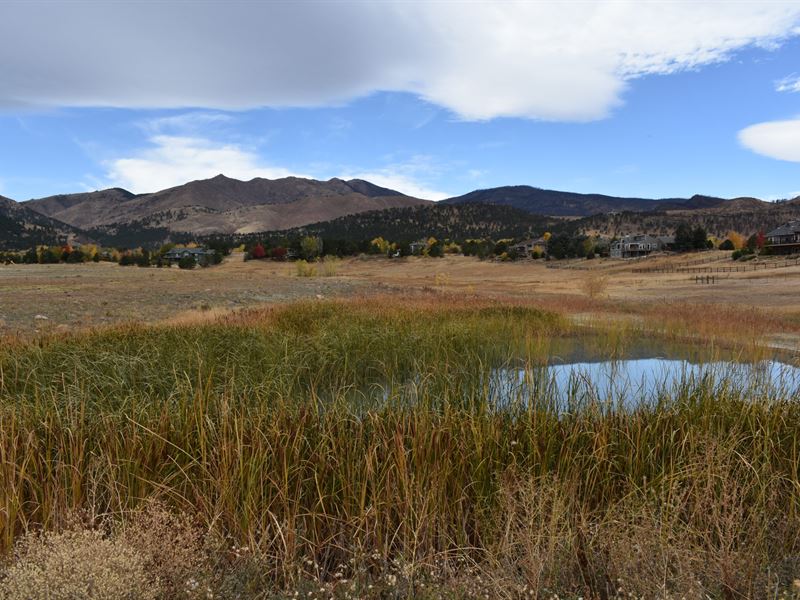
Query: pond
point(581, 371)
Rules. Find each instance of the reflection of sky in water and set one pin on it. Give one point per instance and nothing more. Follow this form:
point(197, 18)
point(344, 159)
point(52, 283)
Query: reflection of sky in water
point(643, 379)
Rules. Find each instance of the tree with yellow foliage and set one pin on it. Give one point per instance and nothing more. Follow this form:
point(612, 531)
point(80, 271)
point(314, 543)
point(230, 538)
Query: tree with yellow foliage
point(737, 239)
point(90, 251)
point(379, 246)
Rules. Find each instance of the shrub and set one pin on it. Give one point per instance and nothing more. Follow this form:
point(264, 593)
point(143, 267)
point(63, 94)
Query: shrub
point(330, 265)
point(172, 548)
point(76, 564)
point(258, 252)
point(743, 254)
point(594, 285)
point(30, 257)
point(76, 256)
point(436, 250)
point(143, 260)
point(186, 262)
point(305, 269)
point(727, 245)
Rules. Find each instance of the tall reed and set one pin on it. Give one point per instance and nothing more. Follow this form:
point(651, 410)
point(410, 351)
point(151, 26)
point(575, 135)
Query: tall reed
point(328, 431)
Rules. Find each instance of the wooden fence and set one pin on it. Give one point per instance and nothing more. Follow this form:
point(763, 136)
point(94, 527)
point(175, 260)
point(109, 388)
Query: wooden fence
point(704, 279)
point(742, 268)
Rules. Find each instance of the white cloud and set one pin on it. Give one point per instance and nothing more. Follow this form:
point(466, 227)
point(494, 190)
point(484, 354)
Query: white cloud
point(174, 160)
point(189, 122)
point(411, 177)
point(400, 183)
point(481, 60)
point(775, 139)
point(788, 84)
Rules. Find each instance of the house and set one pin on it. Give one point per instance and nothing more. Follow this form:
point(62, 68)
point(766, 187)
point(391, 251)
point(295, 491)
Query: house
point(633, 246)
point(201, 256)
point(785, 239)
point(525, 248)
point(417, 248)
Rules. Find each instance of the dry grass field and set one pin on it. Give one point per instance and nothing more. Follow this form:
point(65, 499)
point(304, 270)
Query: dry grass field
point(35, 298)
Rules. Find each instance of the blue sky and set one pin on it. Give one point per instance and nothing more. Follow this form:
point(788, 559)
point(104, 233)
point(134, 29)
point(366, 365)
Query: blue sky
point(435, 100)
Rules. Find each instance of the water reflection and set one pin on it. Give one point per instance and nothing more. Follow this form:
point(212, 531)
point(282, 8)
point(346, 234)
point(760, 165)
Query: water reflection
point(629, 382)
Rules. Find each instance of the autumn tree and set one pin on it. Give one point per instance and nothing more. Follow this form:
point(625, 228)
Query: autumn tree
point(379, 246)
point(310, 247)
point(737, 239)
point(258, 251)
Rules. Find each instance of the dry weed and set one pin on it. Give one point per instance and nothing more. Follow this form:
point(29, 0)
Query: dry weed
point(76, 564)
point(594, 285)
point(172, 547)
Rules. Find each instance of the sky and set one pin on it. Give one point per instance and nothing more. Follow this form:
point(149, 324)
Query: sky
point(434, 99)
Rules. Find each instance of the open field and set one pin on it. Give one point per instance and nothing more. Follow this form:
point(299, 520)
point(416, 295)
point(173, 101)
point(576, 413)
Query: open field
point(337, 437)
point(83, 295)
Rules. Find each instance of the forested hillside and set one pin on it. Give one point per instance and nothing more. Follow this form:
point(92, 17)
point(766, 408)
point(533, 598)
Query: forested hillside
point(438, 220)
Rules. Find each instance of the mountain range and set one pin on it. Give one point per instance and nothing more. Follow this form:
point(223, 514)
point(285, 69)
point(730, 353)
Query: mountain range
point(21, 227)
point(223, 205)
point(571, 204)
point(226, 206)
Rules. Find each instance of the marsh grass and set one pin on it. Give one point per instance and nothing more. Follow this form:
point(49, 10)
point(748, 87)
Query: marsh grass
point(358, 438)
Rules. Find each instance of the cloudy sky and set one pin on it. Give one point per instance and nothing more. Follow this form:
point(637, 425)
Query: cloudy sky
point(432, 98)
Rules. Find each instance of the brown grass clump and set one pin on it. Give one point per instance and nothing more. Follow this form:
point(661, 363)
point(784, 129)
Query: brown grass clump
point(305, 269)
point(172, 547)
point(76, 564)
point(594, 285)
point(329, 266)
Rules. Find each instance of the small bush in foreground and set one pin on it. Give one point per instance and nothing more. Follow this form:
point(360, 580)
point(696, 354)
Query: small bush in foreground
point(76, 564)
point(172, 548)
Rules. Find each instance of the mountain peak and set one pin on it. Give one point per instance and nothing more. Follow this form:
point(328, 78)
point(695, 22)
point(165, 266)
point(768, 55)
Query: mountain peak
point(367, 188)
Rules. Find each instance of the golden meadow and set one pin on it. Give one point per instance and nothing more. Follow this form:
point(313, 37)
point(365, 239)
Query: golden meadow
point(351, 449)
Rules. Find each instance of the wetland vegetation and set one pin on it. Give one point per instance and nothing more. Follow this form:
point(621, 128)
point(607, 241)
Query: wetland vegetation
point(356, 448)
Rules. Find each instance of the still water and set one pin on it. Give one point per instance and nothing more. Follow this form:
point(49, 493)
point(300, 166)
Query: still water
point(577, 373)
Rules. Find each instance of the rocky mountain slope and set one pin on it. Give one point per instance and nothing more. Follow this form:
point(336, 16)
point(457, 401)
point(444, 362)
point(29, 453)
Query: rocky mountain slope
point(222, 205)
point(21, 227)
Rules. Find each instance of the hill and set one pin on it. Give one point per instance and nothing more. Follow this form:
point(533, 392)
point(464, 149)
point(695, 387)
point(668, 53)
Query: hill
point(220, 205)
point(442, 221)
point(745, 215)
point(358, 209)
point(571, 204)
point(22, 228)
